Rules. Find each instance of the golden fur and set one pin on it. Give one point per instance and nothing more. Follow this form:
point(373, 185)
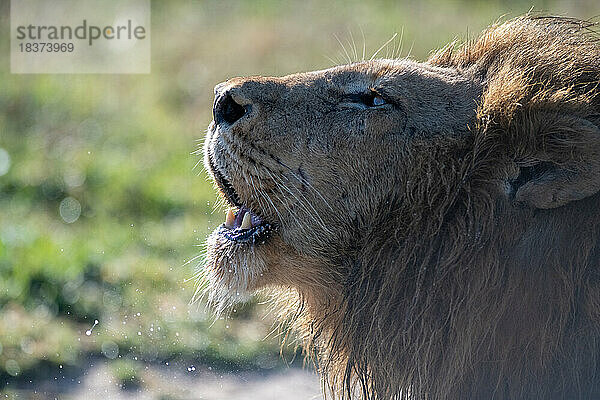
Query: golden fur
point(444, 245)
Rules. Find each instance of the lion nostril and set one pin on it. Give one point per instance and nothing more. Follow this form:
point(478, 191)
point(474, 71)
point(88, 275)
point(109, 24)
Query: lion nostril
point(226, 109)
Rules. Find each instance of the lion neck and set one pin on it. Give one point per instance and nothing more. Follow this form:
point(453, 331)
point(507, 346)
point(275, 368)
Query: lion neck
point(444, 314)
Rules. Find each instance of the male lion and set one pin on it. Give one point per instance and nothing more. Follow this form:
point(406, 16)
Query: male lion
point(438, 222)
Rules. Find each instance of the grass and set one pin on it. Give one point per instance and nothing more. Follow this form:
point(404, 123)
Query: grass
point(102, 207)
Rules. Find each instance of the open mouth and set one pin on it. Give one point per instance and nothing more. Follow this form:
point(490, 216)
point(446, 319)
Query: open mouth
point(241, 225)
point(244, 226)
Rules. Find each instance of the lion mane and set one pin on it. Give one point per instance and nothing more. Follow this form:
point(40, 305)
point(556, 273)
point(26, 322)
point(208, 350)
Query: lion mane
point(436, 309)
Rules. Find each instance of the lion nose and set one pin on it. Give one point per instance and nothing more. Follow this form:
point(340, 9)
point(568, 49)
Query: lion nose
point(227, 107)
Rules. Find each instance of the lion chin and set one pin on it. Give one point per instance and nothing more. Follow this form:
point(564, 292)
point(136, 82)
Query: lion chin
point(234, 273)
point(431, 229)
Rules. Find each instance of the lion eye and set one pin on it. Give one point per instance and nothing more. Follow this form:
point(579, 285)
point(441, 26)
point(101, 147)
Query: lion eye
point(378, 101)
point(368, 99)
point(372, 99)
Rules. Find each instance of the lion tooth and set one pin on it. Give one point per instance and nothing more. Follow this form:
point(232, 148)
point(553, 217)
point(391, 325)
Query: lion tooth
point(229, 219)
point(246, 222)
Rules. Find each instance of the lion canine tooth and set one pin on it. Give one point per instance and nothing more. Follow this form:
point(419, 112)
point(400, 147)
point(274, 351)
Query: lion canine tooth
point(229, 219)
point(246, 222)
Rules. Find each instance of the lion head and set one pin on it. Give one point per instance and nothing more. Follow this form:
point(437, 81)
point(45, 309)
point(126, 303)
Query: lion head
point(438, 222)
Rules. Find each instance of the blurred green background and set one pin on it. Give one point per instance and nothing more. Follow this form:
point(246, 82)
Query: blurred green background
point(101, 207)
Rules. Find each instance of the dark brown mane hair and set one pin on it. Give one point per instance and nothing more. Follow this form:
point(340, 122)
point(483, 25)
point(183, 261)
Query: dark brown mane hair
point(445, 300)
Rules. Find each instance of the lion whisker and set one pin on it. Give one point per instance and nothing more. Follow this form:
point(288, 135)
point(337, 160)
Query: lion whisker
point(348, 58)
point(267, 197)
point(383, 46)
point(306, 183)
point(354, 52)
point(364, 46)
point(314, 214)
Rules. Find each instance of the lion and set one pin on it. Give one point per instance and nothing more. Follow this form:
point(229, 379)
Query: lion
point(431, 229)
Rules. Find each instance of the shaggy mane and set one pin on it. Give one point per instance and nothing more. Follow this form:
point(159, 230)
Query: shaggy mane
point(432, 306)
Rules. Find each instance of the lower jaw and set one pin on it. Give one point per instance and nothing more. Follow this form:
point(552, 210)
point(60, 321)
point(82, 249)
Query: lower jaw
point(234, 270)
point(255, 235)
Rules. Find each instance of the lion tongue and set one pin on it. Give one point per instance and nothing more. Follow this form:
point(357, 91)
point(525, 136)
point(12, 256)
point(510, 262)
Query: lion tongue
point(243, 219)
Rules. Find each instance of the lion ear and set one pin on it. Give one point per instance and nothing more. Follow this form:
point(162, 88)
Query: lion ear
point(570, 170)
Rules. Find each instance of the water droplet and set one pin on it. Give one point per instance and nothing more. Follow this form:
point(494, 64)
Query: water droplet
point(12, 367)
point(89, 331)
point(4, 161)
point(69, 209)
point(73, 178)
point(110, 349)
